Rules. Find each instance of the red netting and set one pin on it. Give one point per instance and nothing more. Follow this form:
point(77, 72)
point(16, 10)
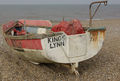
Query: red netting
point(70, 28)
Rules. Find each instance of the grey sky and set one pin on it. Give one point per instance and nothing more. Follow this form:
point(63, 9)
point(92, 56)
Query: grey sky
point(53, 1)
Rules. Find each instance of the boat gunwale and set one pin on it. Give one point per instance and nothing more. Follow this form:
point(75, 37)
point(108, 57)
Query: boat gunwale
point(42, 36)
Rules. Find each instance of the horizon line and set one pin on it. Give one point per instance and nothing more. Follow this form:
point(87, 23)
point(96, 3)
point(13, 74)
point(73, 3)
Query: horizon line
point(47, 4)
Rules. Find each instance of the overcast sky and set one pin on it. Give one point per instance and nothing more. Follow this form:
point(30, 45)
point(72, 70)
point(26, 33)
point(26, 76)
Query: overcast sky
point(53, 1)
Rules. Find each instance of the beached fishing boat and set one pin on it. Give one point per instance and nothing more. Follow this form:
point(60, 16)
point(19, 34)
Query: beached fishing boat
point(34, 40)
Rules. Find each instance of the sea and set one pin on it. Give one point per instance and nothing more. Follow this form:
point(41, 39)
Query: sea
point(56, 12)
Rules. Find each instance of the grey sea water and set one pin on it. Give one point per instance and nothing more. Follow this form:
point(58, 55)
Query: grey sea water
point(55, 12)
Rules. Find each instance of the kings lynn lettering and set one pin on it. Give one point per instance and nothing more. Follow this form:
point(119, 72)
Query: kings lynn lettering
point(56, 41)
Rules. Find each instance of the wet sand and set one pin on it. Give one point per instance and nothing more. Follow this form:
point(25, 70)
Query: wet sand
point(105, 66)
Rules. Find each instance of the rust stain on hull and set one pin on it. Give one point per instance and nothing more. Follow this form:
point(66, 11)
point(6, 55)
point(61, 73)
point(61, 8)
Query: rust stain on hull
point(96, 35)
point(102, 34)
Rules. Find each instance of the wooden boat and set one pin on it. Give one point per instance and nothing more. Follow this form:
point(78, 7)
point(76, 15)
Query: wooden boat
point(36, 42)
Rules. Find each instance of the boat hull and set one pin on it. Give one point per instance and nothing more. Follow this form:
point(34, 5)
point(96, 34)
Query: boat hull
point(66, 48)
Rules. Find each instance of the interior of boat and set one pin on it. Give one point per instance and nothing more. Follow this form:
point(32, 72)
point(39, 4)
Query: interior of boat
point(22, 30)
